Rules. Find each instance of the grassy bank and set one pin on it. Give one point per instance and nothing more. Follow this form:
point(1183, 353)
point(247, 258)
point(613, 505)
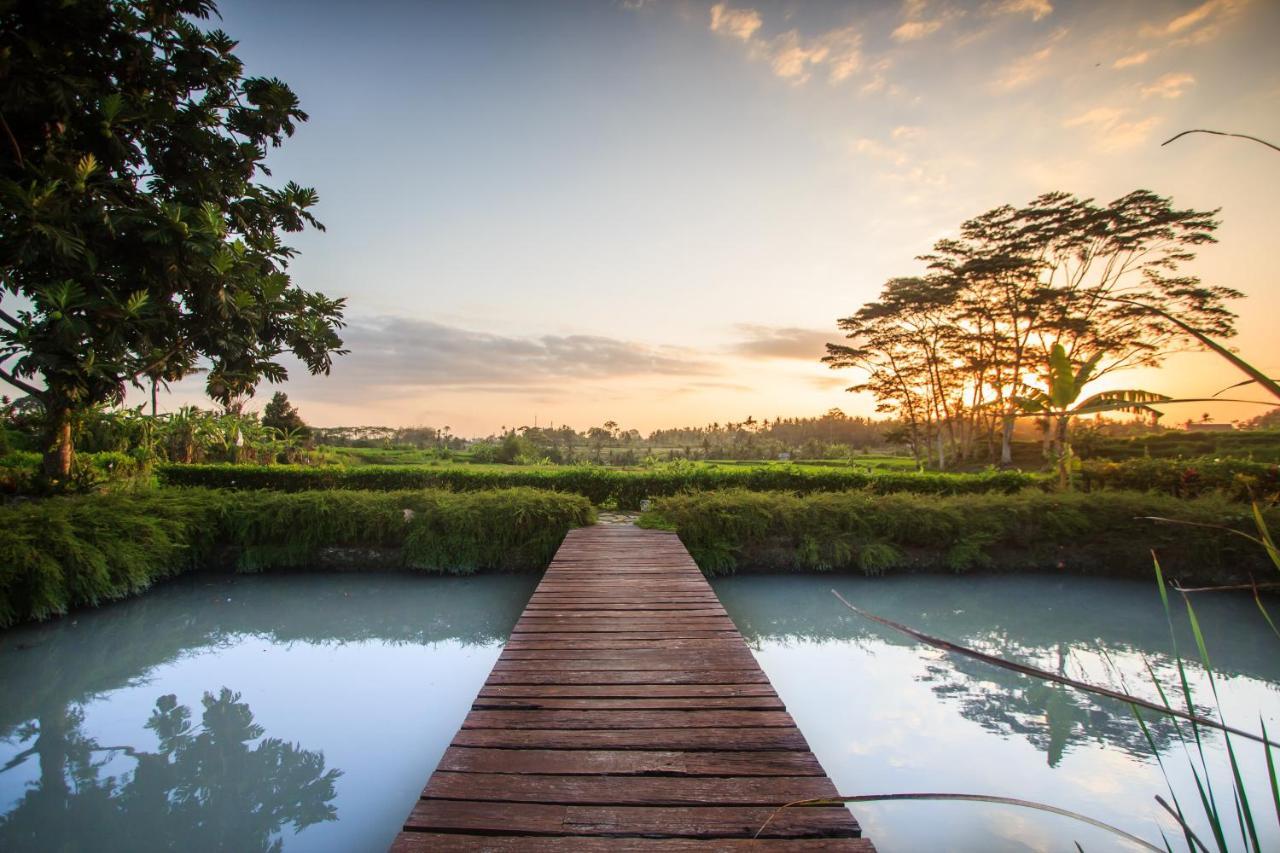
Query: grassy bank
point(1095, 534)
point(624, 489)
point(61, 553)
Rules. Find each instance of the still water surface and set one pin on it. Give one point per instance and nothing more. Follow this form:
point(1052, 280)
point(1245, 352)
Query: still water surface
point(886, 715)
point(304, 712)
point(248, 713)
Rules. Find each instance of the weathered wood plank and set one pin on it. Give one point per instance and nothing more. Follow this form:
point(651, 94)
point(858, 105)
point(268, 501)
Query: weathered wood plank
point(433, 842)
point(599, 762)
point(628, 790)
point(754, 703)
point(628, 719)
point(735, 739)
point(699, 822)
point(618, 691)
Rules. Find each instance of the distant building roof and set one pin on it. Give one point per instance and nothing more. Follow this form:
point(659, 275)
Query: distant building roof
point(1190, 426)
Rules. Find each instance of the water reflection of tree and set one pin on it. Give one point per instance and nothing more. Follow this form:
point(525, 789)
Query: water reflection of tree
point(1041, 621)
point(219, 785)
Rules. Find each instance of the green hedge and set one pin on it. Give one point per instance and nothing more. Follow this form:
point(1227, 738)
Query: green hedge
point(600, 485)
point(1032, 531)
point(60, 553)
point(1238, 479)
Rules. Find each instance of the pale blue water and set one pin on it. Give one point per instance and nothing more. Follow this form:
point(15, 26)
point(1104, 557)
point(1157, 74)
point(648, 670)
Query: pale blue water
point(887, 715)
point(343, 691)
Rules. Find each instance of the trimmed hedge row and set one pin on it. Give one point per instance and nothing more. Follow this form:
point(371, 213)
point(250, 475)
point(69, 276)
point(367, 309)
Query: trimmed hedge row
point(1238, 479)
point(60, 553)
point(1099, 534)
point(600, 485)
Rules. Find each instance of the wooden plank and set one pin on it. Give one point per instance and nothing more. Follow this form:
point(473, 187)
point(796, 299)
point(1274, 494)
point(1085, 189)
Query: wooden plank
point(699, 822)
point(655, 676)
point(628, 719)
point(619, 691)
point(433, 842)
point(626, 713)
point(628, 790)
point(736, 739)
point(600, 762)
point(755, 703)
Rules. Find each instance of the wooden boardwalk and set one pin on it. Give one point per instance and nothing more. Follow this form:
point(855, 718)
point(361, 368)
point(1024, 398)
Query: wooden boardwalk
point(626, 713)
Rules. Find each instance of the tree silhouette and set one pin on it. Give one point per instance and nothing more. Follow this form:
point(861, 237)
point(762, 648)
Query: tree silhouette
point(220, 785)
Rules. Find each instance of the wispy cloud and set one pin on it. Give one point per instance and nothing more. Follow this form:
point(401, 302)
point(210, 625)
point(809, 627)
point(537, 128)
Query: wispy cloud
point(921, 19)
point(1037, 9)
point(1111, 128)
point(1132, 59)
point(1172, 85)
point(782, 342)
point(792, 56)
point(1198, 25)
point(741, 24)
point(1028, 68)
point(412, 353)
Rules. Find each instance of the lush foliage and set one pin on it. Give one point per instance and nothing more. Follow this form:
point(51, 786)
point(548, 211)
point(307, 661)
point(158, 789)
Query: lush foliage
point(66, 552)
point(1238, 479)
point(1256, 445)
point(132, 233)
point(1033, 531)
point(624, 489)
point(949, 352)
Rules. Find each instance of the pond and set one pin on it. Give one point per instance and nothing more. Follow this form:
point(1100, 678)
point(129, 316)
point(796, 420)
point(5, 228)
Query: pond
point(887, 715)
point(306, 711)
point(235, 712)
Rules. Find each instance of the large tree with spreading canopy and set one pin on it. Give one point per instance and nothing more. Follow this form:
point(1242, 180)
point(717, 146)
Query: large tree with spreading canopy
point(140, 235)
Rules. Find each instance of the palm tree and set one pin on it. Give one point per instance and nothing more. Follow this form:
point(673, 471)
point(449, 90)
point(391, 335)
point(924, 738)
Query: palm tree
point(1060, 402)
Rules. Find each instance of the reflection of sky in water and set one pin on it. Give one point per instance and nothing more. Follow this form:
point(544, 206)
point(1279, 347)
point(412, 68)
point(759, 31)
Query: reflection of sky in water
point(885, 715)
point(374, 672)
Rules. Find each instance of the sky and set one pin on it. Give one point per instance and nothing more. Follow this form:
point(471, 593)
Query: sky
point(654, 212)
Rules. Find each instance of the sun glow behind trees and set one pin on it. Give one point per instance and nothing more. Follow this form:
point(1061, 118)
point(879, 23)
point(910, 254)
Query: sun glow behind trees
point(956, 352)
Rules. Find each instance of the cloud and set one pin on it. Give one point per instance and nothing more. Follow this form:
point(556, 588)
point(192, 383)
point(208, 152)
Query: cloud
point(1132, 59)
point(1029, 67)
point(782, 342)
point(1037, 9)
point(907, 133)
point(391, 352)
point(737, 23)
point(1170, 86)
point(792, 56)
point(1112, 128)
point(1201, 24)
point(914, 30)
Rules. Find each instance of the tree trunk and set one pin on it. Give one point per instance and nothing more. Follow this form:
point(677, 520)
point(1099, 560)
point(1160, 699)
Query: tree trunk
point(1006, 442)
point(58, 450)
point(1064, 455)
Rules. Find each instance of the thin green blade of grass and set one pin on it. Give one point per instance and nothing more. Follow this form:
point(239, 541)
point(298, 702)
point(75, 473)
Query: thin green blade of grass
point(1271, 772)
point(1242, 798)
point(1155, 750)
point(1177, 815)
point(1205, 788)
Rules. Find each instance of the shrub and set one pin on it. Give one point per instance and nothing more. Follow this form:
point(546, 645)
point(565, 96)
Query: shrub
point(65, 552)
point(1099, 534)
point(625, 489)
point(1238, 479)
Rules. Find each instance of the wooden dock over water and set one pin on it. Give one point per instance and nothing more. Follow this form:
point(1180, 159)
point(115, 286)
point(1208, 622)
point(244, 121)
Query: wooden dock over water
point(626, 713)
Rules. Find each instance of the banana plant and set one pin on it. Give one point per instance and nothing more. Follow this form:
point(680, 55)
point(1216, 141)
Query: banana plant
point(1060, 402)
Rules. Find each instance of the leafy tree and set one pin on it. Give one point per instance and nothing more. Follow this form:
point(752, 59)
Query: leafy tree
point(1059, 401)
point(281, 415)
point(136, 240)
point(948, 352)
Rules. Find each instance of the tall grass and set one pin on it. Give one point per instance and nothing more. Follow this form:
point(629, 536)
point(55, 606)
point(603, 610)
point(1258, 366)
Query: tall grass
point(1094, 534)
point(67, 552)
